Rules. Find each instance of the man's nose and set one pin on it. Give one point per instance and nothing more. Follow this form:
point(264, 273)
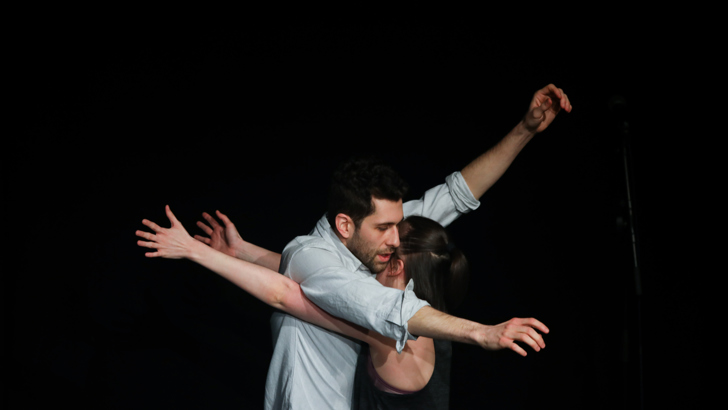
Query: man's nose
point(393, 239)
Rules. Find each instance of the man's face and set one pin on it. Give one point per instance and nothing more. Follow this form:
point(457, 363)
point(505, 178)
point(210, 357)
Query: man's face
point(376, 238)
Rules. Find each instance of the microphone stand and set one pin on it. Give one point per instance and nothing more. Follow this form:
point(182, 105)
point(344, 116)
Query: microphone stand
point(618, 106)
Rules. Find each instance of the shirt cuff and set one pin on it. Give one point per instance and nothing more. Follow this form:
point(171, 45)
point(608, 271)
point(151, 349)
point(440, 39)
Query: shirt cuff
point(410, 305)
point(461, 194)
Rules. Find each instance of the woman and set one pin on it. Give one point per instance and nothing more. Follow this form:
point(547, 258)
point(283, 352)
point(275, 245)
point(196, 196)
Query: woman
point(420, 378)
point(385, 379)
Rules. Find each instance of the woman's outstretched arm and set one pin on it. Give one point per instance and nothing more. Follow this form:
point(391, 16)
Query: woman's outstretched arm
point(265, 284)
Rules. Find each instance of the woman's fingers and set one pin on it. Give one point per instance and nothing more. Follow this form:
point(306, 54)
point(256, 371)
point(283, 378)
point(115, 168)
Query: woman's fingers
point(152, 225)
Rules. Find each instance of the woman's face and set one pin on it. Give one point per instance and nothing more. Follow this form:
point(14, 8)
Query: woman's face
point(393, 275)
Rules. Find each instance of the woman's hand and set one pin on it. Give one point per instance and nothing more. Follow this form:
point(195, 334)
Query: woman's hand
point(224, 238)
point(171, 243)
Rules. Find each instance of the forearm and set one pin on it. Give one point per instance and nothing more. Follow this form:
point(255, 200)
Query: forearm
point(437, 325)
point(297, 304)
point(257, 255)
point(432, 323)
point(482, 173)
point(261, 282)
point(273, 289)
point(485, 170)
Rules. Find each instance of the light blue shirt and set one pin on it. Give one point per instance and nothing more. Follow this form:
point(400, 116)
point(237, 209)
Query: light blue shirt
point(313, 368)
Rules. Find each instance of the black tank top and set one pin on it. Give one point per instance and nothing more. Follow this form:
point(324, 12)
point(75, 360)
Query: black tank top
point(435, 394)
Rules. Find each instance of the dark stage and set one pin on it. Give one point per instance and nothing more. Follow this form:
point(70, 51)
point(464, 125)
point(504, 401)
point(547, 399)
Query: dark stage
point(251, 121)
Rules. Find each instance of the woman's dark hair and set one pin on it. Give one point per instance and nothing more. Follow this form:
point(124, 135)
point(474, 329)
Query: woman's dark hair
point(356, 182)
point(439, 270)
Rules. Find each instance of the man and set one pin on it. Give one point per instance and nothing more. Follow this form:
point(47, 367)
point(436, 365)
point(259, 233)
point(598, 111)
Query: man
point(313, 368)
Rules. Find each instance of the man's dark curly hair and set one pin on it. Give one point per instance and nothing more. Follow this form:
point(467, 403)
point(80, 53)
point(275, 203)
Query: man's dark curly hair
point(356, 182)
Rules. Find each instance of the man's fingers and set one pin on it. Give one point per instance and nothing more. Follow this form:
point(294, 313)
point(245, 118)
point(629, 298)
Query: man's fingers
point(548, 104)
point(538, 112)
point(552, 88)
point(527, 339)
point(549, 90)
point(204, 227)
point(566, 103)
point(554, 91)
point(152, 254)
point(533, 339)
point(536, 324)
point(518, 349)
point(538, 338)
point(522, 334)
point(526, 331)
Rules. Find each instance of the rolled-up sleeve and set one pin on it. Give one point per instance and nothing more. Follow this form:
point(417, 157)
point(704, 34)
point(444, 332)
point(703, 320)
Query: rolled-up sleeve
point(410, 302)
point(354, 296)
point(444, 203)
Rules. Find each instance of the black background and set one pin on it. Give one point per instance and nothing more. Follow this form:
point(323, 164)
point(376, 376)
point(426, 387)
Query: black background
point(117, 122)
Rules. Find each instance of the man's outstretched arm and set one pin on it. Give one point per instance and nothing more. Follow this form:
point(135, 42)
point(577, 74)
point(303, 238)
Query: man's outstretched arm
point(485, 170)
point(429, 322)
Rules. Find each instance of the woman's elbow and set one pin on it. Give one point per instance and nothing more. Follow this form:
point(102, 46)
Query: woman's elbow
point(285, 297)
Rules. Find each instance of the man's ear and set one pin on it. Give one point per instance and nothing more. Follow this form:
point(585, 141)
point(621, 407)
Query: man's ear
point(344, 226)
point(397, 267)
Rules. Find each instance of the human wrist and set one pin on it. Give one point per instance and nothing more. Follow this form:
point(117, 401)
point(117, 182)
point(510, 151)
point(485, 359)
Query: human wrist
point(523, 131)
point(241, 250)
point(475, 333)
point(481, 336)
point(196, 251)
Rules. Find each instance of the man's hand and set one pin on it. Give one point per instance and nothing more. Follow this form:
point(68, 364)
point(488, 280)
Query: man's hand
point(171, 243)
point(504, 335)
point(486, 169)
point(432, 323)
point(224, 239)
point(545, 105)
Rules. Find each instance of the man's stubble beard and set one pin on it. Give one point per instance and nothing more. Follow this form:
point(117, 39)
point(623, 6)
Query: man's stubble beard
point(367, 256)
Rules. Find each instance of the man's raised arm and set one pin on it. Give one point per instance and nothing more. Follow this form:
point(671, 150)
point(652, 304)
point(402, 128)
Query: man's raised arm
point(462, 190)
point(479, 176)
point(485, 170)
